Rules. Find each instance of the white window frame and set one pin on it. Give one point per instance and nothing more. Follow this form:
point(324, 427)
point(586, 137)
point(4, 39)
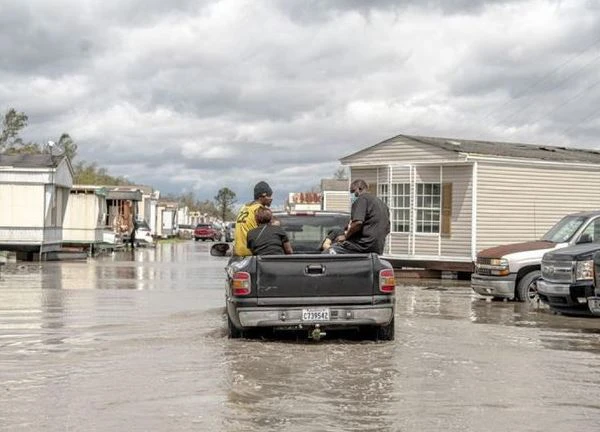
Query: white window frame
point(428, 208)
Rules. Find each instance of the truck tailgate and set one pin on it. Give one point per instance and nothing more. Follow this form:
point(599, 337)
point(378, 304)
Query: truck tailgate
point(315, 275)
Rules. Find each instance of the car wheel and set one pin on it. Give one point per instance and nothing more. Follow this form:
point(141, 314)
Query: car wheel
point(527, 287)
point(386, 332)
point(232, 331)
point(196, 238)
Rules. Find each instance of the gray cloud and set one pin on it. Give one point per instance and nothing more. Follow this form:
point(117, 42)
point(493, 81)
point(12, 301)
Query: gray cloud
point(189, 95)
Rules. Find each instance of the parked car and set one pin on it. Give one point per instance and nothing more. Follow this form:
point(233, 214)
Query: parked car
point(593, 301)
point(230, 231)
point(309, 291)
point(512, 270)
point(186, 231)
point(143, 235)
point(206, 231)
point(567, 274)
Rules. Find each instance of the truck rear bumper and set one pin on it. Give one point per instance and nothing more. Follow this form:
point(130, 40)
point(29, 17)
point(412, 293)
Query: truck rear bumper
point(339, 316)
point(495, 286)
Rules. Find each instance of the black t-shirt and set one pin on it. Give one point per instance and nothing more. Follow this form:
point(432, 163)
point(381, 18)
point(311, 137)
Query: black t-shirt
point(375, 217)
point(267, 239)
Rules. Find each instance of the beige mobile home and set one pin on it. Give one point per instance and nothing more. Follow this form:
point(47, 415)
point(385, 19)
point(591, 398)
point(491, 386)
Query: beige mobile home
point(85, 218)
point(335, 195)
point(450, 198)
point(34, 191)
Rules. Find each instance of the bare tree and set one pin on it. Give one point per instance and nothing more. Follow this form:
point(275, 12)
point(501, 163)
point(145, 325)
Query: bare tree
point(340, 174)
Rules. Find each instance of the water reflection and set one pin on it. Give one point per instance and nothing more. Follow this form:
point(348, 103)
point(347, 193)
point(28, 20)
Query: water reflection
point(308, 386)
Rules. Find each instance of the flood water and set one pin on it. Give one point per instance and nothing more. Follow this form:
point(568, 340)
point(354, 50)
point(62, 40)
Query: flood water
point(137, 342)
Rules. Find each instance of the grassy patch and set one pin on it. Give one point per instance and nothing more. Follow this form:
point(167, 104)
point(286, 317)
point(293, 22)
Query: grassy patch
point(170, 240)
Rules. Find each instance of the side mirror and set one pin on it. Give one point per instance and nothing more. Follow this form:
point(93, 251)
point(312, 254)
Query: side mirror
point(221, 249)
point(585, 238)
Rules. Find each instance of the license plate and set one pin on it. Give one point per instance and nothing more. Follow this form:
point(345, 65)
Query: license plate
point(594, 305)
point(315, 314)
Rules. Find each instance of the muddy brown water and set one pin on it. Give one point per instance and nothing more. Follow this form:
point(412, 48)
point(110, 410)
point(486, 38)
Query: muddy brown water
point(137, 342)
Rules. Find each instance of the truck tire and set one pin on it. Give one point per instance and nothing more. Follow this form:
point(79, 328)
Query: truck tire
point(232, 331)
point(527, 287)
point(386, 332)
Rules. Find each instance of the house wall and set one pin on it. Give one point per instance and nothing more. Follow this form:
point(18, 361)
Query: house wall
point(428, 245)
point(83, 218)
point(458, 244)
point(63, 176)
point(517, 203)
point(367, 174)
point(400, 151)
point(336, 201)
point(22, 205)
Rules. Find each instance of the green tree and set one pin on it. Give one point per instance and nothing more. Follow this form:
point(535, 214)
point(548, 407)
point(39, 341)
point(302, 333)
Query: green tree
point(224, 200)
point(208, 207)
point(90, 174)
point(68, 145)
point(12, 124)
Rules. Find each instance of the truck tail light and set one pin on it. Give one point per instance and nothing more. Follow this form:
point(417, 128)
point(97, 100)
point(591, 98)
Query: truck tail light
point(241, 284)
point(387, 281)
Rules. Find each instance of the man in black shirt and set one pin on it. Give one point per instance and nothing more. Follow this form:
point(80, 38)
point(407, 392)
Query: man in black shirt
point(369, 223)
point(268, 239)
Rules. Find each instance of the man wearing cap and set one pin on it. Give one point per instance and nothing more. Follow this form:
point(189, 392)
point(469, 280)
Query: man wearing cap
point(246, 218)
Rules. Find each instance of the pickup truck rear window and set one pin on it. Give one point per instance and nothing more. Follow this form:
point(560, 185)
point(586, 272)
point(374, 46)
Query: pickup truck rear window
point(306, 232)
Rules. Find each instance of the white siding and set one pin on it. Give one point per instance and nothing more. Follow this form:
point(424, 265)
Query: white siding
point(367, 174)
point(82, 218)
point(426, 244)
point(336, 201)
point(398, 151)
point(22, 205)
point(63, 175)
point(459, 242)
point(398, 244)
point(521, 202)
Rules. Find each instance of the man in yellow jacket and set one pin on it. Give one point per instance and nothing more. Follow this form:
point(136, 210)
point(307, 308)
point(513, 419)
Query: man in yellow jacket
point(246, 218)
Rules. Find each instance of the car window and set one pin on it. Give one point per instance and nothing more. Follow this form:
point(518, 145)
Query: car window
point(307, 232)
point(591, 233)
point(204, 226)
point(564, 229)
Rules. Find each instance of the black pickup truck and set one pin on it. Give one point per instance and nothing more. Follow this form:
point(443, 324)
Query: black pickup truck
point(567, 278)
point(309, 291)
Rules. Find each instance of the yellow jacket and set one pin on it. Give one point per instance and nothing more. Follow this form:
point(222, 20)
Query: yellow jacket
point(246, 220)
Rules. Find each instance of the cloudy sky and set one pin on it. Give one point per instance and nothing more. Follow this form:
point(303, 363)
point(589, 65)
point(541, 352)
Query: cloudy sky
point(191, 95)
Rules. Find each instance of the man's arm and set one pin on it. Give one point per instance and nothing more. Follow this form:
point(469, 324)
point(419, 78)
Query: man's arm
point(287, 247)
point(353, 228)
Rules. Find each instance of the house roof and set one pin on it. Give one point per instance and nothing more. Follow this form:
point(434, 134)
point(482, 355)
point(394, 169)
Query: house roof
point(493, 148)
point(334, 185)
point(30, 160)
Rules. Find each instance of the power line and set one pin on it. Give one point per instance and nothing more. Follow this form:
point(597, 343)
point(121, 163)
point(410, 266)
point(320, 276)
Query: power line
point(544, 78)
point(577, 96)
point(574, 125)
point(523, 108)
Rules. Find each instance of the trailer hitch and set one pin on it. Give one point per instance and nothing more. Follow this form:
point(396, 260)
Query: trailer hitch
point(316, 334)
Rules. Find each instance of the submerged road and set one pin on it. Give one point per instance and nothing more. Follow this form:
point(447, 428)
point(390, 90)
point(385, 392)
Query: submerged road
point(137, 342)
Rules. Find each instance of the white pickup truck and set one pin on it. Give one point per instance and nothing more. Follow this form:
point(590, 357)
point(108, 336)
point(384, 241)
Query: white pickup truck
point(512, 271)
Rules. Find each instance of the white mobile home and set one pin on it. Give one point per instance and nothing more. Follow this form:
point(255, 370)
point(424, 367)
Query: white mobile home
point(85, 218)
point(450, 198)
point(335, 195)
point(34, 190)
